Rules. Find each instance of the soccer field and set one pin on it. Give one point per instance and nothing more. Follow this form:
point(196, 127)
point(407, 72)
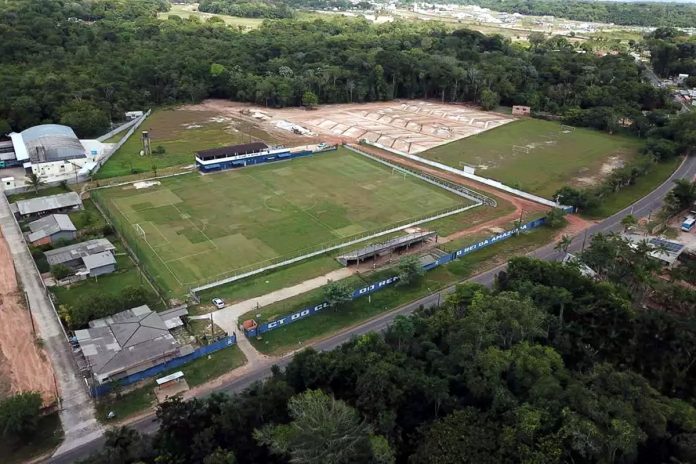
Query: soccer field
point(199, 228)
point(539, 156)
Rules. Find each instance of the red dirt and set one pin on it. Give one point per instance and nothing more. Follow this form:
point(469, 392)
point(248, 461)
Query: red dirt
point(23, 363)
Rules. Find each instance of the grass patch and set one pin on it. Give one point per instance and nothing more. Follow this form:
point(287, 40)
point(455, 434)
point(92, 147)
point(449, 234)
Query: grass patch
point(617, 201)
point(126, 275)
point(554, 158)
point(181, 133)
point(196, 373)
point(204, 228)
point(48, 436)
point(41, 193)
point(322, 324)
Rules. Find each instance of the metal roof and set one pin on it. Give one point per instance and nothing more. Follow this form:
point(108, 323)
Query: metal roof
point(97, 260)
point(51, 142)
point(127, 341)
point(48, 203)
point(78, 250)
point(49, 225)
point(232, 150)
point(377, 248)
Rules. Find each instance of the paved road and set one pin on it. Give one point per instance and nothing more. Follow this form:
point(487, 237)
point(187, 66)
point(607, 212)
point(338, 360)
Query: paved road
point(77, 412)
point(643, 207)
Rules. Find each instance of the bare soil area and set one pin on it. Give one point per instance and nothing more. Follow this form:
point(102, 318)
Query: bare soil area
point(23, 363)
point(409, 126)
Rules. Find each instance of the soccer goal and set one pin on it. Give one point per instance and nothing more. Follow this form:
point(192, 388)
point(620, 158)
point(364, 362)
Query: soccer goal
point(518, 149)
point(567, 129)
point(140, 231)
point(399, 172)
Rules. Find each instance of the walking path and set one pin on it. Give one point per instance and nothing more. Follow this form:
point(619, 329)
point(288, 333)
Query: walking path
point(227, 317)
point(77, 415)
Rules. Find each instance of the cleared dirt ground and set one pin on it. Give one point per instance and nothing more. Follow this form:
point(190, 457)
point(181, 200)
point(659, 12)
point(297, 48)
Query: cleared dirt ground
point(23, 364)
point(410, 126)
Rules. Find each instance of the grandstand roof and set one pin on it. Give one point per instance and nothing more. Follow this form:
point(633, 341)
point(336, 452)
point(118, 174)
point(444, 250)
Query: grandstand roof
point(51, 142)
point(231, 150)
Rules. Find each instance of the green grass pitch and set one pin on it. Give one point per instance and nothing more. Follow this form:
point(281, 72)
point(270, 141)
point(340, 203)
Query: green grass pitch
point(200, 228)
point(550, 159)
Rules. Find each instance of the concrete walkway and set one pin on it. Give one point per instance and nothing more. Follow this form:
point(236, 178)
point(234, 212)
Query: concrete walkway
point(227, 317)
point(77, 415)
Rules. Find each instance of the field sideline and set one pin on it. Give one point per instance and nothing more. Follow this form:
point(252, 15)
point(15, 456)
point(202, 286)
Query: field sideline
point(539, 156)
point(204, 227)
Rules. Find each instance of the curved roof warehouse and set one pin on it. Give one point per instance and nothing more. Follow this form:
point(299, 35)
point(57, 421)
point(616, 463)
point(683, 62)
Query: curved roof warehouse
point(51, 142)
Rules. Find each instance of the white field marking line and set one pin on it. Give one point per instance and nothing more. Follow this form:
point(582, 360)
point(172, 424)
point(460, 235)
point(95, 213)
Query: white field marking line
point(326, 250)
point(189, 256)
point(130, 223)
point(160, 233)
point(357, 238)
point(195, 226)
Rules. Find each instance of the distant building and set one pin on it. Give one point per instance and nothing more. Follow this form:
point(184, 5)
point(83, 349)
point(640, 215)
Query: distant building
point(519, 110)
point(60, 203)
point(131, 115)
point(665, 251)
point(130, 342)
point(50, 229)
point(51, 151)
point(73, 256)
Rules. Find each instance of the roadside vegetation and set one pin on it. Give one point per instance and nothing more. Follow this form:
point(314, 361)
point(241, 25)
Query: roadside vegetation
point(535, 369)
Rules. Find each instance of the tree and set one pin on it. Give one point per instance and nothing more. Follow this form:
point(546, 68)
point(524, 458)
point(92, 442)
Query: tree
point(310, 99)
point(336, 293)
point(489, 99)
point(60, 271)
point(85, 118)
point(564, 243)
point(34, 181)
point(628, 221)
point(322, 431)
point(19, 414)
point(409, 270)
point(556, 218)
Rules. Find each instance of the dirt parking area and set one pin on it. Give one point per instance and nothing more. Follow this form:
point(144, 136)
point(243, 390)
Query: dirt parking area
point(409, 126)
point(23, 363)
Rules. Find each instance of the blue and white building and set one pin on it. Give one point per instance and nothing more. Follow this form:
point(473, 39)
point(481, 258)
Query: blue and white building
point(247, 154)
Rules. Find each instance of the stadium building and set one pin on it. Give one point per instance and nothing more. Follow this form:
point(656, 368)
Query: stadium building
point(51, 151)
point(238, 156)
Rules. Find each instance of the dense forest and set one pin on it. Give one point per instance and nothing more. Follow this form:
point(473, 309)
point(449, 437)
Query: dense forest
point(655, 14)
point(672, 52)
point(247, 9)
point(86, 62)
point(548, 367)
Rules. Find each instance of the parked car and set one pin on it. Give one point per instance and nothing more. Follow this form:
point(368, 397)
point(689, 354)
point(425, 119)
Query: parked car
point(219, 303)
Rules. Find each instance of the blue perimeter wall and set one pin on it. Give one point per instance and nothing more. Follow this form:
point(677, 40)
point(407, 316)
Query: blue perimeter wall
point(99, 390)
point(377, 286)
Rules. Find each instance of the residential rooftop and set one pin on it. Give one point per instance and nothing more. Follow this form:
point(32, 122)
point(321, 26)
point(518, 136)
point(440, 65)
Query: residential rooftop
point(48, 203)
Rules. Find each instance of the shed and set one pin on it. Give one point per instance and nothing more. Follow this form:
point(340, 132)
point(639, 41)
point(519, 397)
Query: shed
point(100, 263)
point(51, 228)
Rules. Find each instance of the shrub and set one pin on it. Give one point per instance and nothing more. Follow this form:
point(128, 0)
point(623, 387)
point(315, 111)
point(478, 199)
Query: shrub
point(61, 271)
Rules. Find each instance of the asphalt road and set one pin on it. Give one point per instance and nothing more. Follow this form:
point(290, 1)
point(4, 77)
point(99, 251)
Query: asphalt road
point(650, 203)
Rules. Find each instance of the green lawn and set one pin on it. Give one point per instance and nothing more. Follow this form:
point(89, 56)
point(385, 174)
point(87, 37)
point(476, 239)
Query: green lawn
point(204, 227)
point(127, 275)
point(181, 133)
point(47, 437)
point(43, 192)
point(296, 335)
point(580, 157)
point(196, 373)
point(619, 200)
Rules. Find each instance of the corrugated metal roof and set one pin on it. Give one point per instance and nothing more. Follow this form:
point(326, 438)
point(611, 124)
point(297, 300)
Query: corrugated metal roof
point(48, 203)
point(49, 225)
point(97, 260)
point(52, 142)
point(78, 250)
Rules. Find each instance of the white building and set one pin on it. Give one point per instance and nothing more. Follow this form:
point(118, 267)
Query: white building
point(54, 152)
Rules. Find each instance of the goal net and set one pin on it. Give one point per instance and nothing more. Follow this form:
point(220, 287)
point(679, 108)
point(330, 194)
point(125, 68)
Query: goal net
point(567, 129)
point(140, 231)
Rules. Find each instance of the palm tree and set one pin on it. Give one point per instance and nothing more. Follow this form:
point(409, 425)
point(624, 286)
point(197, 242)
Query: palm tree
point(628, 221)
point(34, 180)
point(564, 243)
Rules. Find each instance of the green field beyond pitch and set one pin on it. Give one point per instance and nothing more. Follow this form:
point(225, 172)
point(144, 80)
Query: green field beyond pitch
point(204, 227)
point(538, 156)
